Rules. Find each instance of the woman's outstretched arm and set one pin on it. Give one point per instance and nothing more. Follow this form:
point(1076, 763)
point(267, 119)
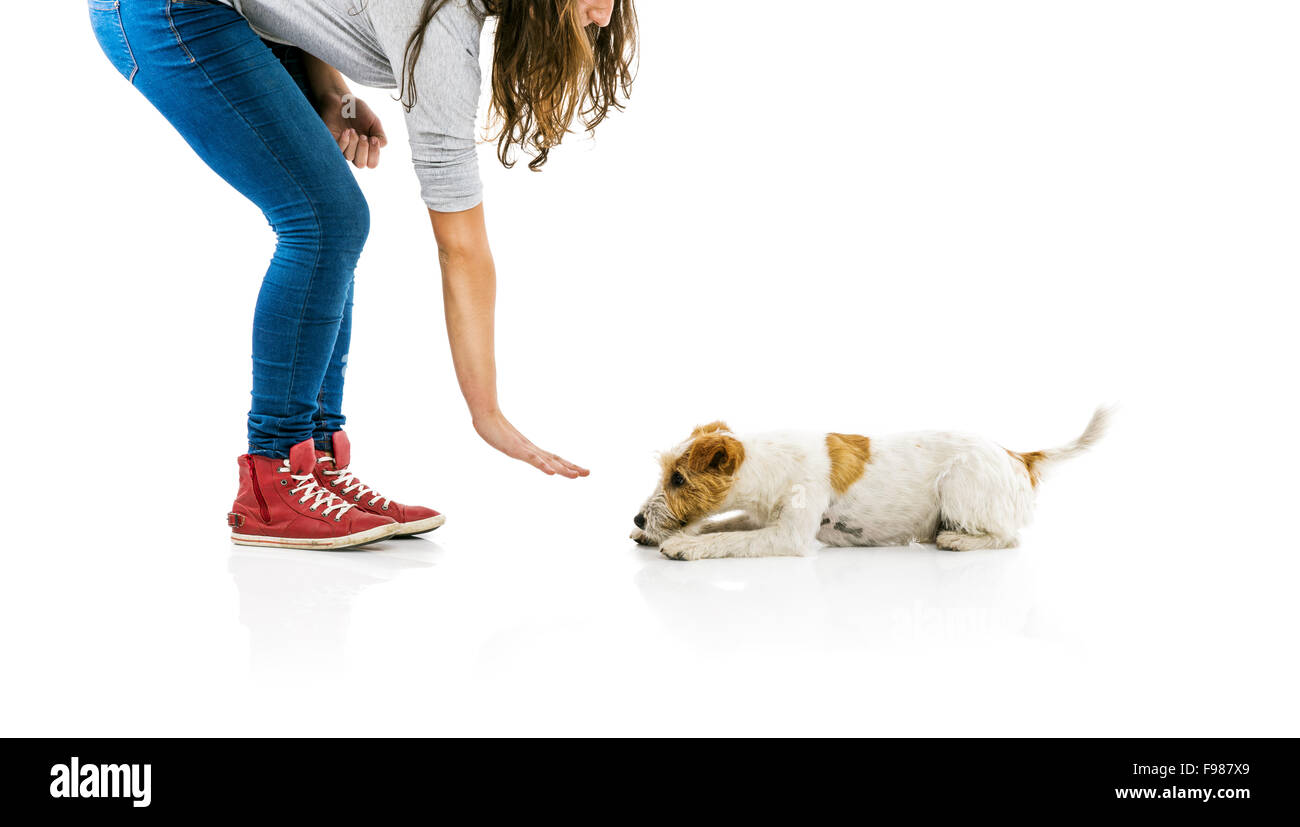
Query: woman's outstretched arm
point(469, 287)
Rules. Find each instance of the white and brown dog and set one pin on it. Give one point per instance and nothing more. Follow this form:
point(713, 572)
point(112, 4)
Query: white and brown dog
point(793, 490)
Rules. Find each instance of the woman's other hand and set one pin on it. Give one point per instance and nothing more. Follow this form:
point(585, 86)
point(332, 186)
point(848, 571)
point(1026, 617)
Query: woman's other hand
point(497, 431)
point(355, 127)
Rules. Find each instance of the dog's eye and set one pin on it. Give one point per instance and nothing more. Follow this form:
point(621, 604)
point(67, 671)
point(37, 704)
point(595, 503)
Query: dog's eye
point(677, 479)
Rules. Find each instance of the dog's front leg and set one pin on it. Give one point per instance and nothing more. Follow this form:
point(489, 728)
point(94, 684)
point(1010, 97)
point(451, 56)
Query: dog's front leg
point(792, 533)
point(772, 541)
point(737, 522)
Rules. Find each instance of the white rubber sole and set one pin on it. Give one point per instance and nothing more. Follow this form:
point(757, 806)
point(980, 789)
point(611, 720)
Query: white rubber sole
point(419, 526)
point(360, 538)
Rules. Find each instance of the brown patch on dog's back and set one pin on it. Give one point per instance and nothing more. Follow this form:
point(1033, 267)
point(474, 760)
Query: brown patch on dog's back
point(850, 454)
point(708, 468)
point(1030, 461)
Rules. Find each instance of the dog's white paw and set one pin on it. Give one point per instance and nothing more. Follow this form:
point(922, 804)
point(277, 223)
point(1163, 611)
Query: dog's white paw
point(682, 548)
point(639, 536)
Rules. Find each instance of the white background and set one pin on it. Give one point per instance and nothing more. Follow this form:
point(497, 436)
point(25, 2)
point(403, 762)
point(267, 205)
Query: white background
point(852, 216)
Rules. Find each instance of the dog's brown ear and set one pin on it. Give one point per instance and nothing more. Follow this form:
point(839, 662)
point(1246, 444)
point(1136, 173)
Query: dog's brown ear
point(710, 428)
point(716, 451)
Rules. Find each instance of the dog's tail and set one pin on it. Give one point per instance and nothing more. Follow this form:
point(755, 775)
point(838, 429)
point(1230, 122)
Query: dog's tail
point(1036, 462)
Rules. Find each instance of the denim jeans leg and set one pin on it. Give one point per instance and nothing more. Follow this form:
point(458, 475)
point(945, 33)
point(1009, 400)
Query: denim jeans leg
point(329, 403)
point(225, 92)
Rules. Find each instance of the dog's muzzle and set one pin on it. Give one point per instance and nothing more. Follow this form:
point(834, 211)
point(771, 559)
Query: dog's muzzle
point(655, 522)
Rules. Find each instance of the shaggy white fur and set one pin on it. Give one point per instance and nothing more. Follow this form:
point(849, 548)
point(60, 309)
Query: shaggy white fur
point(959, 491)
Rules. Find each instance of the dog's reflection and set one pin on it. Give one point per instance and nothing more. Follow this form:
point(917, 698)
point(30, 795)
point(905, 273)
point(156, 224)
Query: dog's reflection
point(843, 598)
point(297, 604)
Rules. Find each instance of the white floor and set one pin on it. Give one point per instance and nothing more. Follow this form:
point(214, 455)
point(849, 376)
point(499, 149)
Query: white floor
point(572, 629)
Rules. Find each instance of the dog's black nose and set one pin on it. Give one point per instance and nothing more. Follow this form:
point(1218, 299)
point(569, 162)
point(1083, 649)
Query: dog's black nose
point(639, 520)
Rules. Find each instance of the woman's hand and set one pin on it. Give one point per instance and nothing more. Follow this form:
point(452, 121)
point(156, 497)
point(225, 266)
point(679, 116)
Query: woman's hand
point(497, 431)
point(354, 125)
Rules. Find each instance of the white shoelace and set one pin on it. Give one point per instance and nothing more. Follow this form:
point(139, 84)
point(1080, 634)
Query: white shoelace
point(345, 476)
point(310, 488)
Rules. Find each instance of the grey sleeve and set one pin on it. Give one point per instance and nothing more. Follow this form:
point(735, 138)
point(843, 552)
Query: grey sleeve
point(442, 124)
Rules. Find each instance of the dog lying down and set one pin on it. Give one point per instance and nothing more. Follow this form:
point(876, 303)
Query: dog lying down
point(792, 491)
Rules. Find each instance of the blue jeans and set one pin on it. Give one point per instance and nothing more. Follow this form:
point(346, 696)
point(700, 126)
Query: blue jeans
point(233, 100)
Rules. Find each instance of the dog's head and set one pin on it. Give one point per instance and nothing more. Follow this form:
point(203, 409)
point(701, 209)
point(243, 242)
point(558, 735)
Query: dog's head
point(694, 480)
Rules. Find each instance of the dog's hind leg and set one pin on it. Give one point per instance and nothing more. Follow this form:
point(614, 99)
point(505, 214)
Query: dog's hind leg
point(961, 541)
point(983, 500)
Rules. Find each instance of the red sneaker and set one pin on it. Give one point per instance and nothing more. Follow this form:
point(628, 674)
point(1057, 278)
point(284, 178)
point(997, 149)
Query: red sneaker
point(282, 504)
point(332, 470)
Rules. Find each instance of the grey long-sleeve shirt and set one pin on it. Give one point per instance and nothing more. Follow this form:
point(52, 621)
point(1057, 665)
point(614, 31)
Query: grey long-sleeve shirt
point(366, 41)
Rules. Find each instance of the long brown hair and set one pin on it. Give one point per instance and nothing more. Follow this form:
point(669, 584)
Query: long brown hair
point(546, 68)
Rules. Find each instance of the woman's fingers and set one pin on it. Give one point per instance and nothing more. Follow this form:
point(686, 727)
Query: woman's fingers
point(543, 463)
point(538, 460)
point(573, 465)
point(361, 150)
point(548, 462)
point(576, 470)
point(521, 449)
point(561, 465)
point(582, 471)
point(362, 153)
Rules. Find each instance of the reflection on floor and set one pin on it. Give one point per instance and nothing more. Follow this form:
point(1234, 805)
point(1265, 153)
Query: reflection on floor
point(297, 604)
point(842, 597)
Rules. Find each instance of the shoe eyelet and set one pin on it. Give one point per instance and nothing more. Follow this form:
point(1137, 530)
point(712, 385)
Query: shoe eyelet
point(284, 482)
point(338, 519)
point(385, 507)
